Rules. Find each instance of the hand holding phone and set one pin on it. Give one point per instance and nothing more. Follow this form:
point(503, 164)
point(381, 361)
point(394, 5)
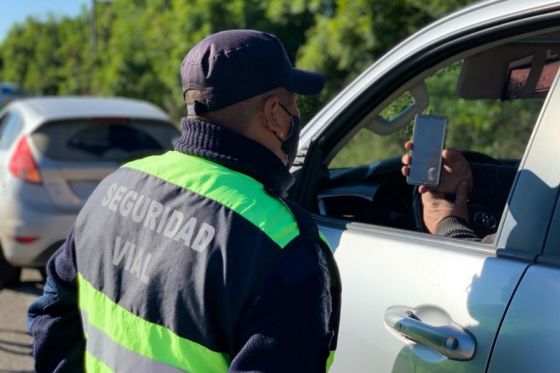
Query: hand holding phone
point(428, 139)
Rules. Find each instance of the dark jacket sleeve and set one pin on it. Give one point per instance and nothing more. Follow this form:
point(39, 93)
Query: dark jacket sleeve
point(455, 227)
point(292, 325)
point(54, 318)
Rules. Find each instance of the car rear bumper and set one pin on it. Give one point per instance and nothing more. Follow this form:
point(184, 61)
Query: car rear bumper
point(50, 230)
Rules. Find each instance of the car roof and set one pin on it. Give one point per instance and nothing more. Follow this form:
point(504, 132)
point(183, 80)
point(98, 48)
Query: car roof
point(38, 110)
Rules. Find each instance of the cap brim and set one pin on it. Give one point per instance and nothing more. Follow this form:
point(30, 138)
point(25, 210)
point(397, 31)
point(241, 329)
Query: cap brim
point(305, 82)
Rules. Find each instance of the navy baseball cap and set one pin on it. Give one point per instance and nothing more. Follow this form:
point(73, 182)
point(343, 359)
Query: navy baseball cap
point(235, 65)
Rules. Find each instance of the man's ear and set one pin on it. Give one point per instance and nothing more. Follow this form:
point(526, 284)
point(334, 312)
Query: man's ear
point(271, 116)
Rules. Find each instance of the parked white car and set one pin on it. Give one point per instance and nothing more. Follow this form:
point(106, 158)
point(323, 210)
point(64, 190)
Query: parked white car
point(53, 152)
point(415, 302)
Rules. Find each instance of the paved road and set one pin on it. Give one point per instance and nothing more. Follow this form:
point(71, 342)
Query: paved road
point(15, 344)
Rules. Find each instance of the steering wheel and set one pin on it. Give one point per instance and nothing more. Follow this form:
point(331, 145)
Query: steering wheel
point(483, 220)
point(477, 157)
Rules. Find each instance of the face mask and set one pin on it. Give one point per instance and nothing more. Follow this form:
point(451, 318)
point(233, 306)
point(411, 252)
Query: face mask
point(290, 145)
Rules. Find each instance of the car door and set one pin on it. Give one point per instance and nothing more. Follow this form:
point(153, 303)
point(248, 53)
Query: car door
point(531, 327)
point(414, 302)
point(456, 293)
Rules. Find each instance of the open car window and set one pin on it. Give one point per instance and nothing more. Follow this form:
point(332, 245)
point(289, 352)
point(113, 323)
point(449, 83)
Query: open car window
point(491, 99)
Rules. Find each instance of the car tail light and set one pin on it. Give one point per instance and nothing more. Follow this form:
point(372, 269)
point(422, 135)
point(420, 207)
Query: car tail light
point(26, 239)
point(22, 165)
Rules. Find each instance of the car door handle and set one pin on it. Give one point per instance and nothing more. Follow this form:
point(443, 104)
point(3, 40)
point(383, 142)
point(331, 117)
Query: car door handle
point(449, 340)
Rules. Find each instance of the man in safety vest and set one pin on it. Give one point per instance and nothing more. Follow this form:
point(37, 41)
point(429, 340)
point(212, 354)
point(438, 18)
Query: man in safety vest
point(193, 260)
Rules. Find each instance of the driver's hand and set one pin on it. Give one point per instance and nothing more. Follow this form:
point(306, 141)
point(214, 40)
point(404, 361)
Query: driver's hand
point(436, 207)
point(455, 169)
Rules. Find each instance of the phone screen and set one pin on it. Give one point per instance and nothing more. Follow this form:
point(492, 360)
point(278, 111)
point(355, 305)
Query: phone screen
point(428, 139)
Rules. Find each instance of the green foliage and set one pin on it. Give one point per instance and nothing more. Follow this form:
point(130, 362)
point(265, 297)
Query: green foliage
point(366, 147)
point(497, 128)
point(134, 48)
point(345, 41)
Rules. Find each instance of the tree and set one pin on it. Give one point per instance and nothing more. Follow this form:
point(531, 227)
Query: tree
point(349, 38)
point(140, 43)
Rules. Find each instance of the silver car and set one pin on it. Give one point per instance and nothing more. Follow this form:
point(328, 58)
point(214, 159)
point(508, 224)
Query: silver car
point(53, 152)
point(415, 302)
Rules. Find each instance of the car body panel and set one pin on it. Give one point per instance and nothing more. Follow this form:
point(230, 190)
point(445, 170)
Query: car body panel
point(530, 332)
point(391, 269)
point(528, 218)
point(552, 246)
point(473, 286)
point(531, 327)
point(69, 184)
point(50, 232)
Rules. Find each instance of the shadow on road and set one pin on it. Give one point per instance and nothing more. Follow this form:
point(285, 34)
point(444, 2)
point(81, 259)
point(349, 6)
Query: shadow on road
point(8, 345)
point(26, 287)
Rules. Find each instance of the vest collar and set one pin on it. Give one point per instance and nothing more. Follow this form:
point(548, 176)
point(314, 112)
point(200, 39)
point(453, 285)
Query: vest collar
point(233, 150)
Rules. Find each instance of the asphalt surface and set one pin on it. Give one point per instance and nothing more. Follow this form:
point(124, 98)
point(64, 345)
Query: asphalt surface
point(15, 343)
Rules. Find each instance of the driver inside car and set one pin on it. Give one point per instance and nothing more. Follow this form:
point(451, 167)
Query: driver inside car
point(445, 208)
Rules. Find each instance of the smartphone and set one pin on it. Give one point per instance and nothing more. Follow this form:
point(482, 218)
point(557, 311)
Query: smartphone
point(428, 139)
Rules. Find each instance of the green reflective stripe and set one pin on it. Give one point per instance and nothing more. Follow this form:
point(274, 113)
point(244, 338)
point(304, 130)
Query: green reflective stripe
point(149, 340)
point(232, 189)
point(117, 357)
point(330, 360)
point(94, 365)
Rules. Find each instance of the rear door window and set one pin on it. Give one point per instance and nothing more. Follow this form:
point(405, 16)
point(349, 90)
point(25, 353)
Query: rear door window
point(103, 140)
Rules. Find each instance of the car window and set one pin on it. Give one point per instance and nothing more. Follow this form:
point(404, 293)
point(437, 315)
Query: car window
point(103, 140)
point(490, 121)
point(497, 128)
point(10, 127)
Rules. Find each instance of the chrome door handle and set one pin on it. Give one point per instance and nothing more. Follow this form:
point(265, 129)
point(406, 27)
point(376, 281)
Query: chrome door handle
point(449, 340)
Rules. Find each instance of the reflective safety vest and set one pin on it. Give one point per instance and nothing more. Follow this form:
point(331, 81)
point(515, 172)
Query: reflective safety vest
point(170, 251)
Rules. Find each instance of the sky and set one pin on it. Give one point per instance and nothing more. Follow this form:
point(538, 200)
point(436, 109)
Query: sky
point(13, 11)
